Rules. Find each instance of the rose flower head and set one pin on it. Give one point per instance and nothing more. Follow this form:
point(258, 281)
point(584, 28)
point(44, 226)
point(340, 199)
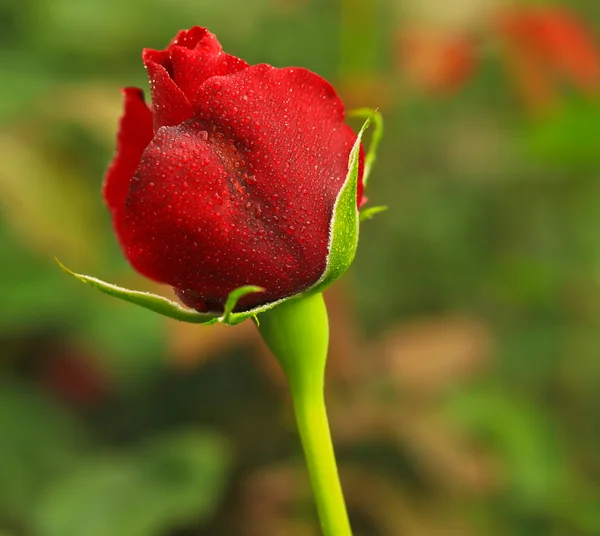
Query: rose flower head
point(239, 185)
point(230, 177)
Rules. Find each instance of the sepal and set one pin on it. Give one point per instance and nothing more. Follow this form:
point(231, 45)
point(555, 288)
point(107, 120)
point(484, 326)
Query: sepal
point(343, 234)
point(231, 318)
point(369, 213)
point(377, 118)
point(168, 308)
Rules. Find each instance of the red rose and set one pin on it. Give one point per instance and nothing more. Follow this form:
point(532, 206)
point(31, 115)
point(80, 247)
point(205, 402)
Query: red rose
point(231, 177)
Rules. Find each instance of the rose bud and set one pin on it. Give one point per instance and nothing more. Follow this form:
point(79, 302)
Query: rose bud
point(231, 177)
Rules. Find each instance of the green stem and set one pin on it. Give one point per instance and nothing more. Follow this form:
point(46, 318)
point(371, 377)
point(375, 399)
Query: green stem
point(313, 426)
point(297, 332)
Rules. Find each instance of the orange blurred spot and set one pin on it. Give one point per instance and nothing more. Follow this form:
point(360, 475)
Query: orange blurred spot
point(434, 60)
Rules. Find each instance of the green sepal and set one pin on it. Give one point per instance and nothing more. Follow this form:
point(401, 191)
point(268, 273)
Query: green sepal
point(377, 119)
point(369, 213)
point(171, 309)
point(231, 318)
point(343, 234)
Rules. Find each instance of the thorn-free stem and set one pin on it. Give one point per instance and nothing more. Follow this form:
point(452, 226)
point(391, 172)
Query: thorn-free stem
point(297, 332)
point(313, 425)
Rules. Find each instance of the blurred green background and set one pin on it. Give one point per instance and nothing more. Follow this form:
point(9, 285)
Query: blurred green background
point(464, 377)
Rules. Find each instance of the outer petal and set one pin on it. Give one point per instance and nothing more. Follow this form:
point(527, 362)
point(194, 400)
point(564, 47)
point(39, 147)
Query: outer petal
point(170, 105)
point(135, 133)
point(244, 193)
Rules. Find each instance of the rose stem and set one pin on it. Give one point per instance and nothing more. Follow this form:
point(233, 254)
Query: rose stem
point(297, 332)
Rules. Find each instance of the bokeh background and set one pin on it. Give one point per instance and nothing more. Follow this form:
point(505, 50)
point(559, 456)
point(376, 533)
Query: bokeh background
point(464, 376)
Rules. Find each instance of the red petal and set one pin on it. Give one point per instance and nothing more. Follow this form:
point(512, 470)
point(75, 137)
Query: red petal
point(280, 110)
point(177, 73)
point(196, 55)
point(135, 133)
point(169, 103)
point(245, 193)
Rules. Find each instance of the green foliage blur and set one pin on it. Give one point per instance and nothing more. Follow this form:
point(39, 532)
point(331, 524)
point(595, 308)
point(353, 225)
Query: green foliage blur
point(464, 377)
